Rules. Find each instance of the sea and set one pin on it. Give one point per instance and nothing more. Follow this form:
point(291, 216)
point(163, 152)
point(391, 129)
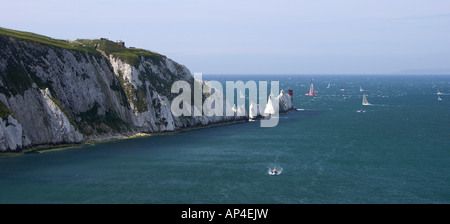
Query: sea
point(328, 151)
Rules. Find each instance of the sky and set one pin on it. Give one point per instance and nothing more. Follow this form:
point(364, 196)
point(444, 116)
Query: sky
point(257, 36)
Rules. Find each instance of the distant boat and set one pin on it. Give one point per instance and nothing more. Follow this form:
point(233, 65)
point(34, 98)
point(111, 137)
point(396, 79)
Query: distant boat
point(361, 111)
point(241, 95)
point(438, 93)
point(364, 101)
point(328, 86)
point(311, 91)
point(361, 89)
point(342, 88)
point(275, 172)
point(439, 98)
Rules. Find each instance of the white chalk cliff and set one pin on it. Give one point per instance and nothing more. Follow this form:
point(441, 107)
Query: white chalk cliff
point(285, 101)
point(57, 95)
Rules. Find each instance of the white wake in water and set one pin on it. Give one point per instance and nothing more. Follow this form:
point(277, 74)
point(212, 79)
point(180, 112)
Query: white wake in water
point(275, 170)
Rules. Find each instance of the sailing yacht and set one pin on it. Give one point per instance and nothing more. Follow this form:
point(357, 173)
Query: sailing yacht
point(241, 95)
point(438, 93)
point(361, 89)
point(342, 88)
point(328, 86)
point(311, 91)
point(364, 101)
point(439, 98)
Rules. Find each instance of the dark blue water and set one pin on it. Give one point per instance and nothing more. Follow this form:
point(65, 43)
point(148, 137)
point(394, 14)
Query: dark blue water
point(396, 152)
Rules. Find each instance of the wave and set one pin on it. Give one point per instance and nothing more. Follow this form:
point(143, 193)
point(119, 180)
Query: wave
point(380, 105)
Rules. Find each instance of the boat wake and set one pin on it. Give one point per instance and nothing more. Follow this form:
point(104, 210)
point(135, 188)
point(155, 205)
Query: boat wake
point(274, 168)
point(380, 105)
point(275, 171)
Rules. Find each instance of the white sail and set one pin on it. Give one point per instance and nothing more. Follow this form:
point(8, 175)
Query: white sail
point(361, 89)
point(365, 101)
point(439, 98)
point(328, 86)
point(438, 92)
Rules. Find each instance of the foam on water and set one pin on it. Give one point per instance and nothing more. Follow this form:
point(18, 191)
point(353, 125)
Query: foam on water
point(279, 169)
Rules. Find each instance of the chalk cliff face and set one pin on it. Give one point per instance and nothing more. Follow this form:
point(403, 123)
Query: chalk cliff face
point(11, 135)
point(55, 95)
point(285, 101)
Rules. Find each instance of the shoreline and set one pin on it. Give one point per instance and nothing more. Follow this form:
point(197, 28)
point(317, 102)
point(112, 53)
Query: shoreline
point(64, 146)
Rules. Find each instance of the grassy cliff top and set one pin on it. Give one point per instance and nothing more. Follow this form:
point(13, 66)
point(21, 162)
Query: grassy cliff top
point(129, 55)
point(44, 40)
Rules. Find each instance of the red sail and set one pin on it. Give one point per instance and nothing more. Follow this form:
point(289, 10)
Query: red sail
point(311, 91)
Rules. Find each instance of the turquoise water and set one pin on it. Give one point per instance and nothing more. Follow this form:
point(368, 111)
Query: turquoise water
point(396, 152)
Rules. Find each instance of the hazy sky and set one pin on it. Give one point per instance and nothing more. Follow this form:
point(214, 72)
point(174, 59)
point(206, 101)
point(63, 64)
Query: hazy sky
point(254, 37)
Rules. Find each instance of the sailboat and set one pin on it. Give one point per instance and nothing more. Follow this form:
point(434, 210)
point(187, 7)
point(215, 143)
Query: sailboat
point(364, 101)
point(438, 93)
point(342, 88)
point(439, 98)
point(328, 86)
point(361, 89)
point(311, 91)
point(241, 95)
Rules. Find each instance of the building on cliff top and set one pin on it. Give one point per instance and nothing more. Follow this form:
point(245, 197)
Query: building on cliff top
point(120, 43)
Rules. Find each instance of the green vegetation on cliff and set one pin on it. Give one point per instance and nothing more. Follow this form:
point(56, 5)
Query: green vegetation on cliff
point(101, 122)
point(16, 81)
point(5, 111)
point(45, 40)
point(129, 55)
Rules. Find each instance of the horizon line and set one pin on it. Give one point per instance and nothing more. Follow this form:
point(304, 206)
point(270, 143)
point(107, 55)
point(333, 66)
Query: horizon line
point(299, 74)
